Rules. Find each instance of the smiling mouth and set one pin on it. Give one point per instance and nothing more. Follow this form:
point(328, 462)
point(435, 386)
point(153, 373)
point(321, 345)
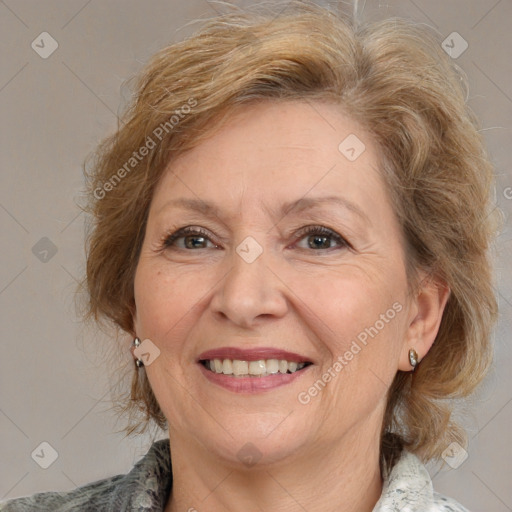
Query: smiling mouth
point(260, 368)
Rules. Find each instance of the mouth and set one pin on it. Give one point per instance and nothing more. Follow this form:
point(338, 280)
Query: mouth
point(258, 368)
point(252, 370)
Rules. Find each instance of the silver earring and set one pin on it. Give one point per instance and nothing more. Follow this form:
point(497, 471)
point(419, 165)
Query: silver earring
point(138, 362)
point(413, 358)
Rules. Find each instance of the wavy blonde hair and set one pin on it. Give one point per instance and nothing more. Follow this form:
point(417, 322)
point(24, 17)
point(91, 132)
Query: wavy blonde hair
point(394, 79)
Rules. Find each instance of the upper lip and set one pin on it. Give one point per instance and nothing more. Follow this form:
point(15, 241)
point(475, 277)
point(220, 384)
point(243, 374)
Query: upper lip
point(252, 354)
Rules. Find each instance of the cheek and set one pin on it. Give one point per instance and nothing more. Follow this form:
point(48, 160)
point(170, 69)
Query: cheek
point(163, 303)
point(354, 305)
point(359, 320)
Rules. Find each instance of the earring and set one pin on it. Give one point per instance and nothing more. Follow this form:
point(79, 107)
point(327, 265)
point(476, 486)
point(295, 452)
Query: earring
point(138, 362)
point(413, 358)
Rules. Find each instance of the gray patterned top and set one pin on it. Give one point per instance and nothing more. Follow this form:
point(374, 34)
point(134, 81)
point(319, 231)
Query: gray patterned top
point(146, 488)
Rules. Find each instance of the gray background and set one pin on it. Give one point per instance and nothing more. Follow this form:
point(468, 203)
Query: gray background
point(54, 386)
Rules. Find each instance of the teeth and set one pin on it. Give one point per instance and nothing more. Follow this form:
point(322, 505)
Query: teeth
point(240, 367)
point(227, 367)
point(257, 368)
point(272, 366)
point(217, 365)
point(260, 368)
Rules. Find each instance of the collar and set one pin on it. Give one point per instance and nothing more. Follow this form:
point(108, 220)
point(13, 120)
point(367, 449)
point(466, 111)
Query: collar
point(408, 487)
point(147, 486)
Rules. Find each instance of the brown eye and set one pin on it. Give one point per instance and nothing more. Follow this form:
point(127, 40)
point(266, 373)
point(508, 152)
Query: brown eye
point(321, 238)
point(188, 239)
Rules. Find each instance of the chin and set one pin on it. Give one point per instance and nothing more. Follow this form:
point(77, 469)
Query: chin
point(266, 438)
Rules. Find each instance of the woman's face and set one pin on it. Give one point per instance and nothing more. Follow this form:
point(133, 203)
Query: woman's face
point(248, 282)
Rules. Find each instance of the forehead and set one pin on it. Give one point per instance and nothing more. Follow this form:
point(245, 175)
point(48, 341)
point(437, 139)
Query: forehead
point(276, 151)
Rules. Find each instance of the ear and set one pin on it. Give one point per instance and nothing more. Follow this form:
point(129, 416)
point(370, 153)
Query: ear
point(133, 331)
point(133, 313)
point(425, 316)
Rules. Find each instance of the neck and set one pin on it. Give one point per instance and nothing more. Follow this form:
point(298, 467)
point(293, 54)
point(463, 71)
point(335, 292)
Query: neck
point(344, 479)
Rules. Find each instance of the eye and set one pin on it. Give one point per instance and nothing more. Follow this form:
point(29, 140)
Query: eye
point(190, 238)
point(320, 238)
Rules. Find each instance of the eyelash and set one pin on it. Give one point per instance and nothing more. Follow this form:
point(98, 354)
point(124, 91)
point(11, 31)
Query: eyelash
point(170, 238)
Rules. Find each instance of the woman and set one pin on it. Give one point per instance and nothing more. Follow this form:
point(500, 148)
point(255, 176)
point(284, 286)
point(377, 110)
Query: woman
point(292, 224)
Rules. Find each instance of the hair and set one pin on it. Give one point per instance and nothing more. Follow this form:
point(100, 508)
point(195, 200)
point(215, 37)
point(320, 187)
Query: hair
point(393, 78)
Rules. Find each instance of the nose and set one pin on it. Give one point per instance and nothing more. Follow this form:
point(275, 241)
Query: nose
point(250, 292)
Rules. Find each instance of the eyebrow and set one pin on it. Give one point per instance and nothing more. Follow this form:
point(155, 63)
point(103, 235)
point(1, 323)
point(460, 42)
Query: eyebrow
point(314, 202)
point(296, 206)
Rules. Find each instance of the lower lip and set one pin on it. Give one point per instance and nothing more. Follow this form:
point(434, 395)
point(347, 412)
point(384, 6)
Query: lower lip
point(251, 384)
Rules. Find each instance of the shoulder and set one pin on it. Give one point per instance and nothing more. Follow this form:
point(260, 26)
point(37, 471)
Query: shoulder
point(145, 487)
point(445, 504)
point(408, 487)
point(82, 498)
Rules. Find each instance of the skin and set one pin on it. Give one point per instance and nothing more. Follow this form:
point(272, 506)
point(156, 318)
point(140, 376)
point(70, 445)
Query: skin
point(322, 455)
